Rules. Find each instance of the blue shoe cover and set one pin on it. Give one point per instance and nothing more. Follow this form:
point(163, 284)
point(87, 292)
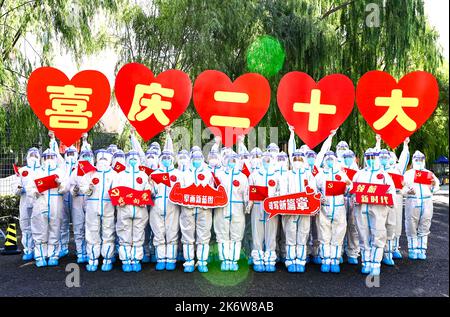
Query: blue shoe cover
point(352, 260)
point(224, 266)
point(160, 266)
point(250, 261)
point(82, 259)
point(113, 259)
point(202, 268)
point(365, 269)
point(127, 268)
point(52, 262)
point(341, 260)
point(63, 252)
point(91, 268)
point(28, 256)
point(41, 263)
point(325, 268)
point(375, 271)
point(189, 269)
point(335, 268)
point(397, 255)
point(145, 259)
point(422, 255)
point(170, 266)
point(412, 255)
point(258, 268)
point(300, 268)
point(317, 260)
point(153, 259)
point(291, 268)
point(308, 259)
point(388, 261)
point(234, 266)
point(270, 268)
point(106, 267)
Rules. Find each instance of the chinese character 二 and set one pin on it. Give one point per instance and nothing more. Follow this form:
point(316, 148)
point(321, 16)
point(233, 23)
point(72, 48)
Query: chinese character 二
point(143, 107)
point(229, 121)
point(69, 104)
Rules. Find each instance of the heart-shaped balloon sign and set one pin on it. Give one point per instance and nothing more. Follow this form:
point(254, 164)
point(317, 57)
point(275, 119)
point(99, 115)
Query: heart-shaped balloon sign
point(151, 103)
point(314, 109)
point(231, 108)
point(69, 107)
point(395, 110)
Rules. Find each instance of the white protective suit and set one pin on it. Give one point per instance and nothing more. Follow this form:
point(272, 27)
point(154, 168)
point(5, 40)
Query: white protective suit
point(47, 211)
point(27, 174)
point(131, 220)
point(371, 219)
point(418, 207)
point(264, 230)
point(100, 225)
point(297, 228)
point(195, 223)
point(332, 219)
point(229, 221)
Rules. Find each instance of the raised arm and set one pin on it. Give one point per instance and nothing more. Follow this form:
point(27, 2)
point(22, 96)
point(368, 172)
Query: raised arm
point(85, 146)
point(136, 146)
point(292, 146)
point(168, 145)
point(241, 148)
point(403, 160)
point(378, 143)
point(326, 146)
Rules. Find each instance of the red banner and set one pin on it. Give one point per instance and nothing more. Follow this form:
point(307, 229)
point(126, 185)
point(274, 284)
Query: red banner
point(198, 196)
point(298, 204)
point(423, 177)
point(374, 199)
point(46, 183)
point(397, 179)
point(128, 196)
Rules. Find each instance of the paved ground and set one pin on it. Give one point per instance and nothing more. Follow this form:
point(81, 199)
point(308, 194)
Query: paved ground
point(407, 278)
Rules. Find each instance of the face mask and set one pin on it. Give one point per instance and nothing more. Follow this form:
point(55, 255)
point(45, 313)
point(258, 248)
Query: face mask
point(133, 162)
point(370, 163)
point(102, 164)
point(418, 165)
point(348, 161)
point(255, 162)
point(213, 162)
point(50, 163)
point(183, 162)
point(231, 165)
point(70, 159)
point(384, 161)
point(391, 162)
point(166, 162)
point(329, 163)
point(311, 161)
point(296, 165)
point(196, 163)
point(266, 165)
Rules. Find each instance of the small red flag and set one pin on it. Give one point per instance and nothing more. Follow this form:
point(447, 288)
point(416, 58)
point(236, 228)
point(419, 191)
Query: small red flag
point(245, 170)
point(16, 169)
point(334, 188)
point(161, 178)
point(145, 169)
point(129, 196)
point(46, 183)
point(397, 179)
point(216, 180)
point(258, 193)
point(315, 171)
point(119, 167)
point(423, 177)
point(84, 167)
point(349, 172)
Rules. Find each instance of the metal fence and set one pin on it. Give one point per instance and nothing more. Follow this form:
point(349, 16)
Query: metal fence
point(8, 158)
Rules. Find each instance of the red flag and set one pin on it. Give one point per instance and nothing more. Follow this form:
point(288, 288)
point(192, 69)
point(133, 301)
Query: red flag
point(46, 183)
point(161, 178)
point(216, 180)
point(423, 177)
point(315, 171)
point(129, 196)
point(258, 193)
point(397, 179)
point(145, 169)
point(16, 169)
point(119, 167)
point(334, 188)
point(84, 167)
point(349, 172)
point(245, 170)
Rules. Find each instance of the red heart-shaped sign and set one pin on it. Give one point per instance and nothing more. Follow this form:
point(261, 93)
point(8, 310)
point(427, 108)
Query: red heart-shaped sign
point(314, 109)
point(231, 108)
point(151, 103)
point(69, 107)
point(396, 110)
